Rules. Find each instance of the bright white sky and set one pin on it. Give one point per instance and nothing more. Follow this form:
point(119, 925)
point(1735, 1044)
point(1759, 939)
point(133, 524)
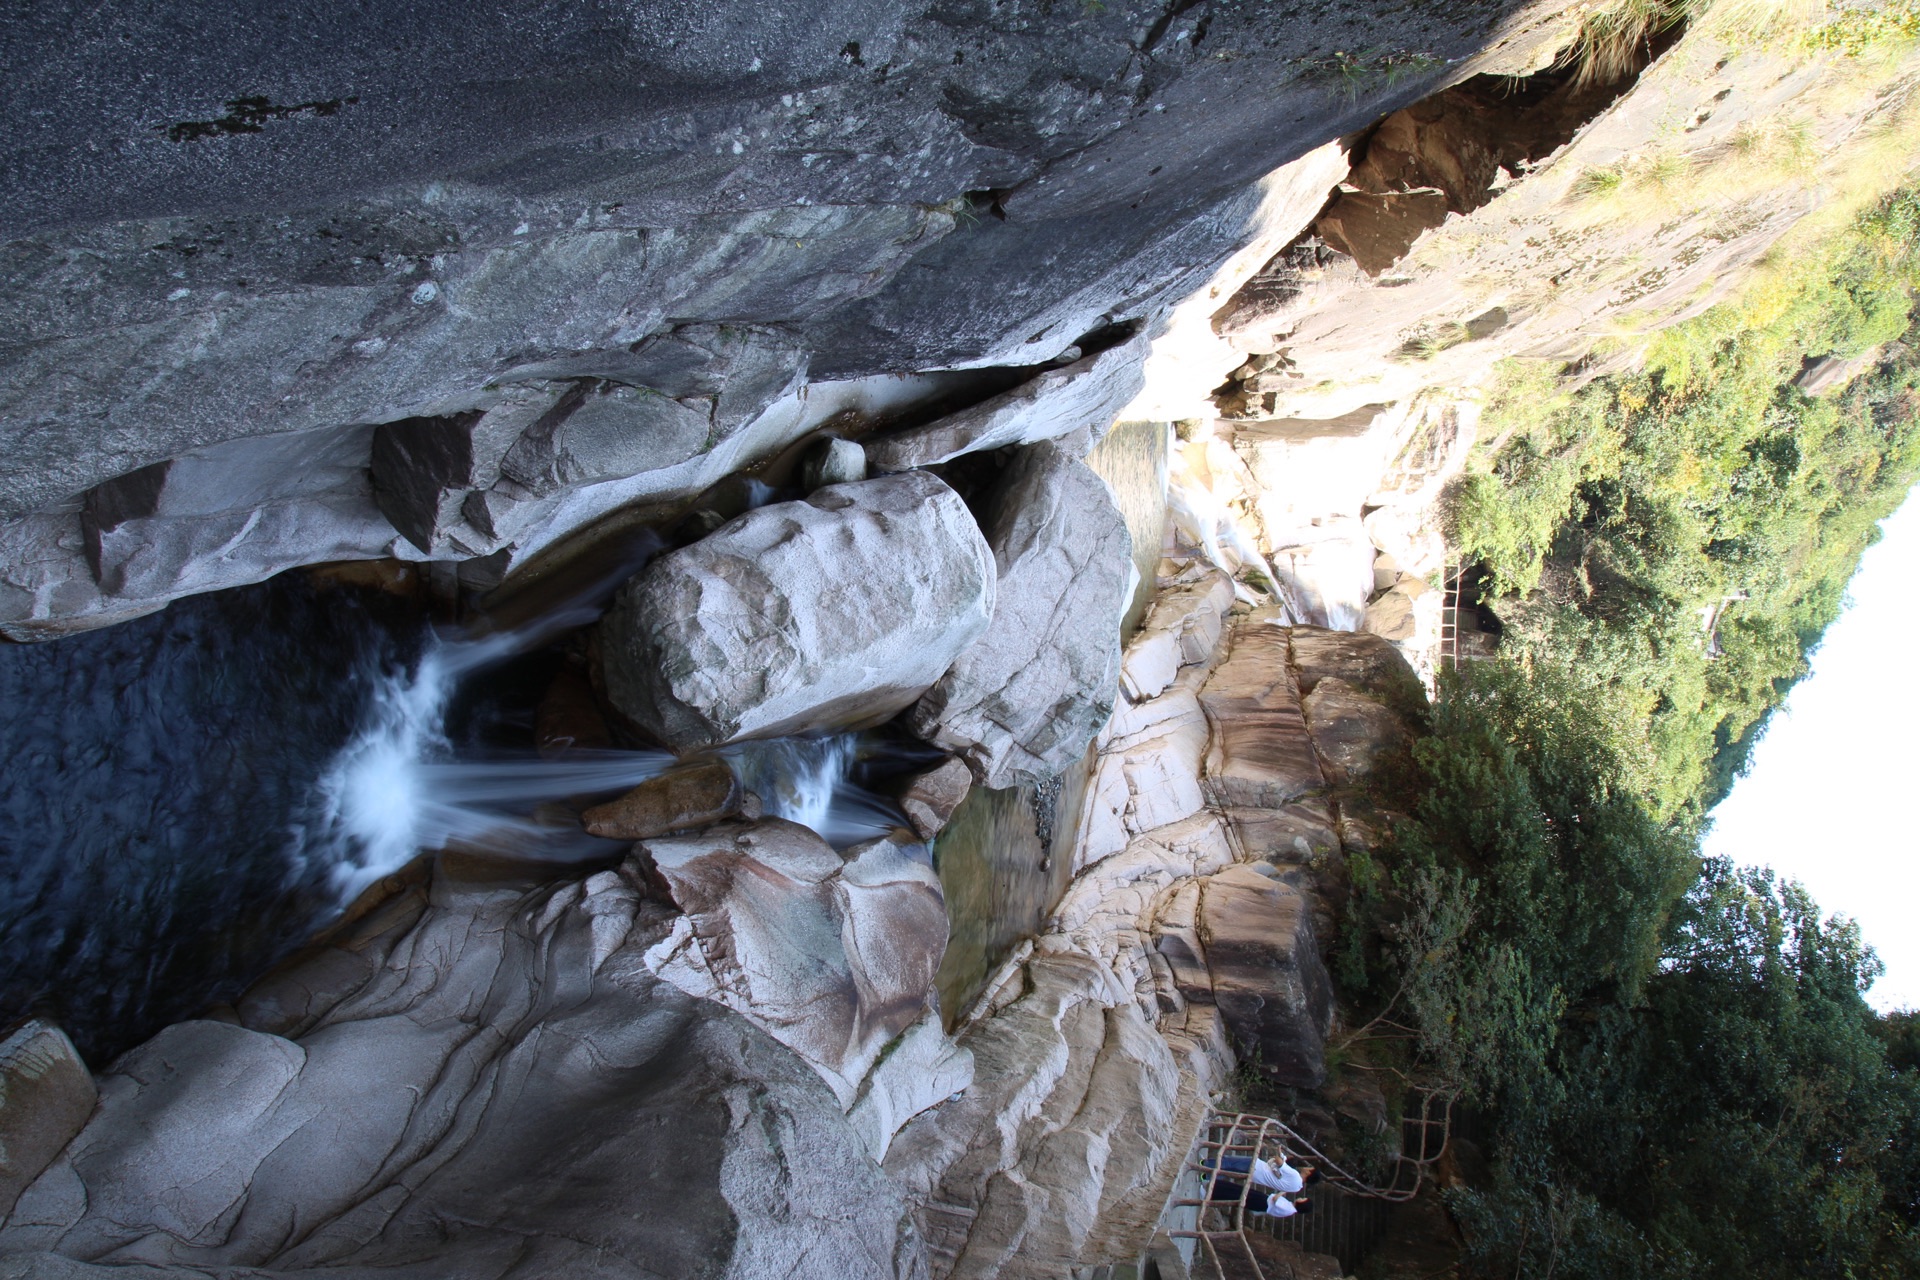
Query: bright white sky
point(1829, 799)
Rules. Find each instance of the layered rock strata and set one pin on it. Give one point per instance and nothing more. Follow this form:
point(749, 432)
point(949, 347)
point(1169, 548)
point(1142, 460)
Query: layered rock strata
point(615, 259)
point(1209, 856)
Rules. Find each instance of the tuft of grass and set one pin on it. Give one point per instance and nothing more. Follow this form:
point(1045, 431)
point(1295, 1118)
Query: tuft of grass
point(1614, 39)
point(1430, 340)
point(1598, 182)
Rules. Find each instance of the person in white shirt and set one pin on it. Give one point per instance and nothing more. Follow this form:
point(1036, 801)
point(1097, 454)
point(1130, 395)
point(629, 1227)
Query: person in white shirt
point(1283, 1177)
point(1274, 1187)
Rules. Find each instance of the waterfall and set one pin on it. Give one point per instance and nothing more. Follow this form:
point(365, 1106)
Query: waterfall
point(396, 788)
point(810, 781)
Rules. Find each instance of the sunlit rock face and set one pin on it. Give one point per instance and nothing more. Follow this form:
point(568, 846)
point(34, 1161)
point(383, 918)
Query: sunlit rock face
point(832, 958)
point(830, 613)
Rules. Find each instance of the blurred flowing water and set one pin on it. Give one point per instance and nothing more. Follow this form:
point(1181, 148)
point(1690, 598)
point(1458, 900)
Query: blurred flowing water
point(159, 818)
point(186, 797)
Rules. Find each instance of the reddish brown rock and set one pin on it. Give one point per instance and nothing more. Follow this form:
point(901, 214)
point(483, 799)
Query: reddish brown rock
point(1268, 979)
point(568, 718)
point(681, 800)
point(932, 797)
point(1364, 661)
point(1354, 732)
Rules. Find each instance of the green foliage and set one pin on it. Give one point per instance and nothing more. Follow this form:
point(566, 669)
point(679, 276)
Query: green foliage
point(1616, 36)
point(1743, 1119)
point(1687, 531)
point(1370, 69)
point(1681, 1076)
point(1529, 879)
point(1857, 29)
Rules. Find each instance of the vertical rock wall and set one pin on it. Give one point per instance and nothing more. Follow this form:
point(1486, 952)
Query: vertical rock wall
point(1208, 864)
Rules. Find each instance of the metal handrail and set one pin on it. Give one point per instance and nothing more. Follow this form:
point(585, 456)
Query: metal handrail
point(1242, 1133)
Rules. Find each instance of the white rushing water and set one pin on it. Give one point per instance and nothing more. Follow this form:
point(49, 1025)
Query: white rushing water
point(807, 780)
point(397, 787)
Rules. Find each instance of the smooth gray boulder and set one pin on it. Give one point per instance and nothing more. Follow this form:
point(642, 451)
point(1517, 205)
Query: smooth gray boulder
point(830, 613)
point(1024, 700)
point(475, 1076)
point(833, 462)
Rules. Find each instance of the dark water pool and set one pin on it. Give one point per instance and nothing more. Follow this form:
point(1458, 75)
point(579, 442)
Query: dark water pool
point(156, 798)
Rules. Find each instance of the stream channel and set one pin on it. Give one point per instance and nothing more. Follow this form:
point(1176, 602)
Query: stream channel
point(187, 796)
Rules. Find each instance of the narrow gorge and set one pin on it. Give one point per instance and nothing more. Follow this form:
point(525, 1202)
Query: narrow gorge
point(653, 640)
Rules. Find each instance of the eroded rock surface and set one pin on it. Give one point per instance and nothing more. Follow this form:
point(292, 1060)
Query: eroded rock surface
point(674, 217)
point(1023, 701)
point(475, 1078)
point(46, 1097)
point(1266, 974)
point(678, 800)
point(833, 959)
point(1077, 401)
point(1208, 856)
point(835, 612)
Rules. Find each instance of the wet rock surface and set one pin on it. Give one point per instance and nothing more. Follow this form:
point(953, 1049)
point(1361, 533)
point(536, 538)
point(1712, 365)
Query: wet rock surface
point(834, 612)
point(931, 798)
point(1022, 702)
point(678, 800)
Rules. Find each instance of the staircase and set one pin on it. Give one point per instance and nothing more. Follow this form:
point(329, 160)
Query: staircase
point(1206, 1232)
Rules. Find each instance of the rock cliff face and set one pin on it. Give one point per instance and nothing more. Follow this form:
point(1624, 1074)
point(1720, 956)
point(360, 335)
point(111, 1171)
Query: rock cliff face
point(477, 1077)
point(457, 306)
point(310, 298)
point(1186, 946)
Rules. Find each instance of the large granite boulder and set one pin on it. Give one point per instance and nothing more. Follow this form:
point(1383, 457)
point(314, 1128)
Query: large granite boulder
point(1024, 700)
point(476, 1076)
point(830, 613)
point(832, 958)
